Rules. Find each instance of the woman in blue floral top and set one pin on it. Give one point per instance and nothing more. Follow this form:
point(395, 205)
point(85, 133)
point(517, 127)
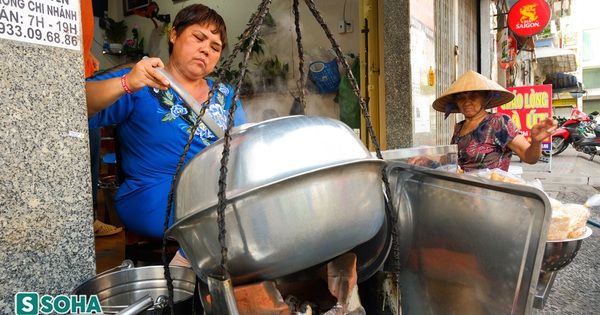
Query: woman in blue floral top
point(152, 123)
point(488, 140)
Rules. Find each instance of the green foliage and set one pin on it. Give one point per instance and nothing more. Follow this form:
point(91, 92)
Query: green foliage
point(134, 48)
point(272, 75)
point(230, 74)
point(273, 68)
point(115, 32)
point(545, 33)
point(269, 21)
point(349, 105)
point(257, 47)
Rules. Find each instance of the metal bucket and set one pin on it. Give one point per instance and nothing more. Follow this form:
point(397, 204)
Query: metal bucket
point(120, 289)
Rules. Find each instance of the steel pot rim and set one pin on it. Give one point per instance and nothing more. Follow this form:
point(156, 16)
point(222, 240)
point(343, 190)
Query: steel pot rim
point(112, 284)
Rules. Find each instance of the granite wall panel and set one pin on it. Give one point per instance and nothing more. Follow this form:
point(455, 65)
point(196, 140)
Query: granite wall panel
point(46, 233)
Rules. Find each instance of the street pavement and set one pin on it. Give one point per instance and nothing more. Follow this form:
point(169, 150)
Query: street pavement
point(571, 177)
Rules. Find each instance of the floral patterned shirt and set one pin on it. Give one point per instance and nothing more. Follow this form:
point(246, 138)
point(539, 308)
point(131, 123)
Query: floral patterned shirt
point(486, 146)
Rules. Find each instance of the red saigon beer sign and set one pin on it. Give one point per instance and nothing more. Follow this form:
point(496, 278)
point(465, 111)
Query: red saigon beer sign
point(528, 17)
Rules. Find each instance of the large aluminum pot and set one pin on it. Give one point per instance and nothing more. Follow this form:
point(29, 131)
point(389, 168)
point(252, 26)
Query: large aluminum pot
point(118, 290)
point(300, 191)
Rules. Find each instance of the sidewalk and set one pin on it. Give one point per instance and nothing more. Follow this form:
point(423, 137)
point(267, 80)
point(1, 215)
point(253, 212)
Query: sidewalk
point(571, 178)
point(568, 168)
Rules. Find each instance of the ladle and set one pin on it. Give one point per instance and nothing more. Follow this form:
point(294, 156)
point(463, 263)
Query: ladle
point(138, 307)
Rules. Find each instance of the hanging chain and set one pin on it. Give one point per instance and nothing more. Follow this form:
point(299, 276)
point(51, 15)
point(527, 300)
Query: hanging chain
point(300, 57)
point(365, 112)
point(250, 33)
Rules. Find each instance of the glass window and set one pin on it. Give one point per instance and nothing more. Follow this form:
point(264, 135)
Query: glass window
point(590, 52)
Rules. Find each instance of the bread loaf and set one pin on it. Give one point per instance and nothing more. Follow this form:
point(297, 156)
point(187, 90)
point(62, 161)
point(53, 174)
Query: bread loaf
point(559, 226)
point(577, 233)
point(579, 215)
point(507, 178)
point(555, 203)
point(568, 221)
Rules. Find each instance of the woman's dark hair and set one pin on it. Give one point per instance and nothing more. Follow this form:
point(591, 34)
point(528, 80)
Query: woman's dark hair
point(199, 14)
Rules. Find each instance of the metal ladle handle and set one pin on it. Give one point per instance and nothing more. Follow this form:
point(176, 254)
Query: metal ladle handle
point(193, 104)
point(160, 303)
point(126, 264)
point(138, 307)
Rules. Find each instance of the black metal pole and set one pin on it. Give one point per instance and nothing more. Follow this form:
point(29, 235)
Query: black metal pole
point(366, 99)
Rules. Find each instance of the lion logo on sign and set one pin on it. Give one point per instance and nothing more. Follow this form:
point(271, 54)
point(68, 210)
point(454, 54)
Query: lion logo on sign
point(528, 12)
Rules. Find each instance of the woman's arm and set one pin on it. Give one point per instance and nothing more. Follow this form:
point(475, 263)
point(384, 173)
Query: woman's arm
point(530, 152)
point(102, 93)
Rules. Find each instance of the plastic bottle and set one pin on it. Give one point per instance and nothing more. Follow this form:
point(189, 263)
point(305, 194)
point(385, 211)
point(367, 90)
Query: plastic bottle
point(322, 54)
point(106, 46)
point(431, 77)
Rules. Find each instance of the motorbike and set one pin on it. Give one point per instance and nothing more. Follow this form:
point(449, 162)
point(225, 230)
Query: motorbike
point(579, 130)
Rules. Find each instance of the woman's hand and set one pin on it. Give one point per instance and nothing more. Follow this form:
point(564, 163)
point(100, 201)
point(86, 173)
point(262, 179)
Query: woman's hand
point(101, 94)
point(543, 129)
point(420, 161)
point(95, 62)
point(427, 161)
point(144, 73)
point(530, 152)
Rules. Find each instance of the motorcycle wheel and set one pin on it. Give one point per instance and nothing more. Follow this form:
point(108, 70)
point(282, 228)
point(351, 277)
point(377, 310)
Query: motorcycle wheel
point(558, 146)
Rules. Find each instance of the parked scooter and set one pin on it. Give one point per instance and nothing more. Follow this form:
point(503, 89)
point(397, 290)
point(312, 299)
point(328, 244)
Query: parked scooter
point(594, 119)
point(573, 131)
point(561, 120)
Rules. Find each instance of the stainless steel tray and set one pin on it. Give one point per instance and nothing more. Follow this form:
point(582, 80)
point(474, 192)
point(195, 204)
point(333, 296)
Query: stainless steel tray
point(468, 245)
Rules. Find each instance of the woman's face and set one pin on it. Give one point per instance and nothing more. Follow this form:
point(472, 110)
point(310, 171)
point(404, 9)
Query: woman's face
point(470, 103)
point(196, 50)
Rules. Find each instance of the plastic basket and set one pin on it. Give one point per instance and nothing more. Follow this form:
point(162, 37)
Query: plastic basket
point(325, 75)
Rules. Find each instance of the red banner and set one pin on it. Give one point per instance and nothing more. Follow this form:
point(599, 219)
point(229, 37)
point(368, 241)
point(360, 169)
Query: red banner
point(530, 105)
point(508, 52)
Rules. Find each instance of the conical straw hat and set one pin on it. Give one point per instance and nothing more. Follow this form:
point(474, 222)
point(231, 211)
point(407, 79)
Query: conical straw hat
point(472, 81)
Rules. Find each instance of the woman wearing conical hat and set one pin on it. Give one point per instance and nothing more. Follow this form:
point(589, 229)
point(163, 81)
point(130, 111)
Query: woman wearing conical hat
point(488, 140)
